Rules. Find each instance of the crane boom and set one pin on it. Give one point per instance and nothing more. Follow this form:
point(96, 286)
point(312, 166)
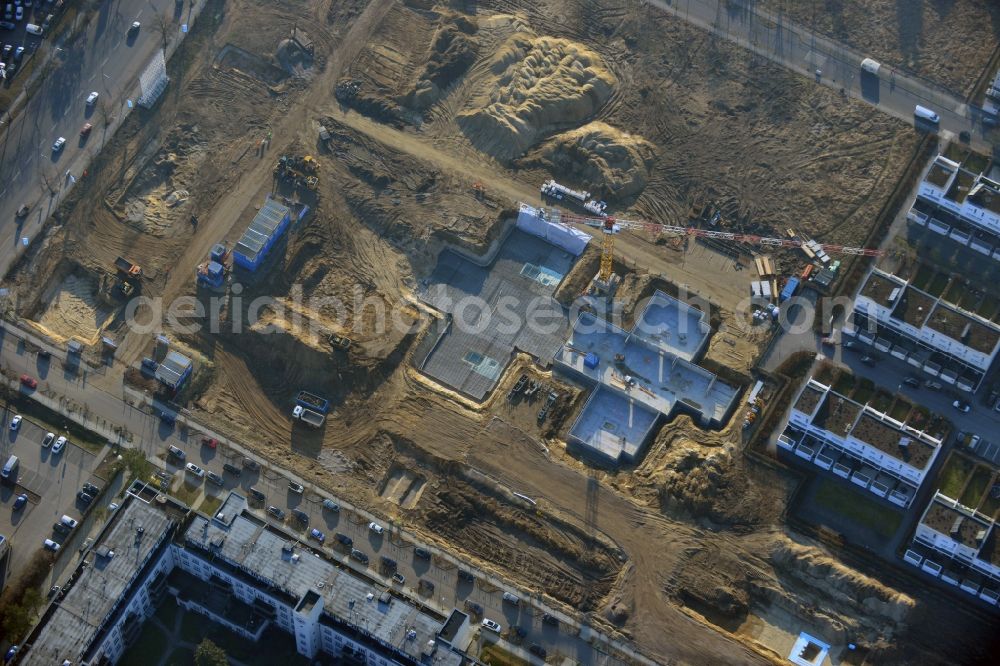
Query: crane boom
point(610, 226)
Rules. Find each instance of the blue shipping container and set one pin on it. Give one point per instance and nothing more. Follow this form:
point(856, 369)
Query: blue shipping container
point(591, 360)
point(790, 288)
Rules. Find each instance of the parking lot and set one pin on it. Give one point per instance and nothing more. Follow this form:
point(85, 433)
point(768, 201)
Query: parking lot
point(32, 11)
point(435, 580)
point(51, 482)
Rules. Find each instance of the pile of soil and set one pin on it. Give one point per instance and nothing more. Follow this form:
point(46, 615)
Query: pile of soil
point(599, 158)
point(453, 51)
point(536, 85)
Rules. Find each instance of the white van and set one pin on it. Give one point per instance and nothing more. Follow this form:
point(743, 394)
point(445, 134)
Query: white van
point(33, 29)
point(68, 522)
point(870, 66)
point(9, 471)
point(926, 114)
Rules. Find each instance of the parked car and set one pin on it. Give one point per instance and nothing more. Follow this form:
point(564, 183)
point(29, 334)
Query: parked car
point(276, 513)
point(934, 386)
point(232, 469)
point(92, 98)
point(8, 25)
point(330, 505)
point(422, 553)
point(29, 381)
point(60, 528)
point(136, 26)
point(91, 489)
point(194, 469)
point(59, 445)
point(466, 576)
point(210, 442)
point(491, 625)
point(869, 360)
point(301, 516)
point(59, 144)
point(388, 563)
point(962, 406)
point(474, 608)
point(359, 556)
point(15, 422)
point(376, 528)
point(19, 14)
point(48, 439)
point(85, 130)
point(7, 51)
point(256, 494)
point(19, 503)
point(69, 522)
point(23, 210)
point(317, 535)
point(850, 345)
point(537, 650)
point(295, 487)
point(251, 465)
point(18, 53)
point(85, 497)
point(51, 545)
point(550, 620)
point(215, 478)
point(398, 578)
point(912, 381)
point(176, 453)
point(511, 599)
point(344, 540)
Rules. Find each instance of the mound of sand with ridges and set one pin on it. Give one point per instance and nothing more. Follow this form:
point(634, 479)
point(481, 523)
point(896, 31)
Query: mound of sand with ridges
point(539, 85)
point(597, 158)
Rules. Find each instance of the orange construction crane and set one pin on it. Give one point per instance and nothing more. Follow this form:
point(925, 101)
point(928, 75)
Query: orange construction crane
point(610, 226)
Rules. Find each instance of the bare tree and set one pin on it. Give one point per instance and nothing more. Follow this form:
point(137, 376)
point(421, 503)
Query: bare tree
point(49, 182)
point(165, 29)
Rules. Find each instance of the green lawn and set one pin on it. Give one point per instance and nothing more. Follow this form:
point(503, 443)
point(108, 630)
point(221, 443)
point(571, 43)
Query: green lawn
point(977, 486)
point(954, 474)
point(187, 493)
point(152, 642)
point(496, 656)
point(210, 505)
point(990, 506)
point(865, 511)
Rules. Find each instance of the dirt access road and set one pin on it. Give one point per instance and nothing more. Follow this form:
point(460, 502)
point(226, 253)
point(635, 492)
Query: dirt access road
point(232, 206)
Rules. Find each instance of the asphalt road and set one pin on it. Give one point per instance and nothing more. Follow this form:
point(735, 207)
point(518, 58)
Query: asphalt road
point(106, 408)
point(108, 61)
point(794, 46)
point(51, 482)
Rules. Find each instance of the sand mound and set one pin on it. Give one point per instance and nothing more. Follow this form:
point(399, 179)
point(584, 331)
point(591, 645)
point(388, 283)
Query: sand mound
point(598, 158)
point(539, 85)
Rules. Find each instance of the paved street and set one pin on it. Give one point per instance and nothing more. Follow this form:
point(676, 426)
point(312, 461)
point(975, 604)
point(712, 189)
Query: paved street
point(795, 47)
point(105, 409)
point(107, 61)
point(51, 482)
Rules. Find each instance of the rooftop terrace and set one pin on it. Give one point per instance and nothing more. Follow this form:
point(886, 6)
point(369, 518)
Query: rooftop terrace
point(940, 172)
point(913, 307)
point(837, 414)
point(962, 328)
point(879, 287)
point(808, 399)
point(990, 552)
point(956, 524)
point(887, 438)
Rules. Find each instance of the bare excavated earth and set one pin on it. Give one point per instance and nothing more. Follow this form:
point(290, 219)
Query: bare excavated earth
point(441, 120)
point(948, 42)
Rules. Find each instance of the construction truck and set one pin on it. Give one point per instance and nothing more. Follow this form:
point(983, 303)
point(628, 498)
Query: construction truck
point(128, 268)
point(339, 341)
point(308, 416)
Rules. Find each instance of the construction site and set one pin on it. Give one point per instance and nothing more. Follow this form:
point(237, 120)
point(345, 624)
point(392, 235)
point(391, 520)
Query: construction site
point(327, 184)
